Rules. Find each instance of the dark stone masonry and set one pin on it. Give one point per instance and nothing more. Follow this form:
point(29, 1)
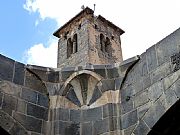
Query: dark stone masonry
point(93, 91)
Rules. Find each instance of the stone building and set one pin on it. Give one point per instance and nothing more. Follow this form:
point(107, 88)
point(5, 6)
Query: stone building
point(93, 91)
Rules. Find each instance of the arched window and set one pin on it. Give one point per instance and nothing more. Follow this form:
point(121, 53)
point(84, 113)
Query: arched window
point(102, 42)
point(75, 43)
point(69, 47)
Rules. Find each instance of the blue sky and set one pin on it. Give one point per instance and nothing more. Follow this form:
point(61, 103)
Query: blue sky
point(19, 31)
point(27, 25)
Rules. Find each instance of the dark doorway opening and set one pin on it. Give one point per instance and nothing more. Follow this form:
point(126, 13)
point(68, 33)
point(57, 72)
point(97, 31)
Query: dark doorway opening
point(169, 123)
point(3, 132)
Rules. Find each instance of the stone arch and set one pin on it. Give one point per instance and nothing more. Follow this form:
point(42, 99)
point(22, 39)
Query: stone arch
point(10, 126)
point(83, 86)
point(160, 118)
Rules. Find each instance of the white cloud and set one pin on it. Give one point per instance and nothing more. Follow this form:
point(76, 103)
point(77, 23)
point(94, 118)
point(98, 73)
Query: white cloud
point(41, 55)
point(145, 22)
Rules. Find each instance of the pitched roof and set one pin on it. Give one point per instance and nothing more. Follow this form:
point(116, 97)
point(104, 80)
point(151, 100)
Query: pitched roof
point(84, 12)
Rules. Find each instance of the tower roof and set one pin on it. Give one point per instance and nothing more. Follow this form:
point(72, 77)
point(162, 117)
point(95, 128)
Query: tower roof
point(83, 13)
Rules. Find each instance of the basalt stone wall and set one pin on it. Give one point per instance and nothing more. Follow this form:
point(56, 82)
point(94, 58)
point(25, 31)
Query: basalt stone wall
point(23, 102)
point(151, 87)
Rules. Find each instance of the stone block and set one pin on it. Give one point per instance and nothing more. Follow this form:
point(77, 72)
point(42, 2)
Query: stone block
point(21, 106)
point(28, 122)
point(92, 114)
point(37, 111)
point(108, 84)
point(75, 115)
point(114, 123)
point(167, 47)
point(6, 121)
point(101, 126)
point(66, 74)
point(112, 73)
point(154, 114)
point(127, 106)
point(101, 72)
point(19, 73)
point(53, 88)
point(146, 81)
point(86, 128)
point(53, 77)
point(127, 93)
point(29, 95)
point(141, 129)
point(151, 58)
point(71, 95)
point(43, 100)
point(62, 114)
point(10, 88)
point(143, 109)
point(66, 128)
point(118, 82)
point(96, 95)
point(17, 129)
point(141, 99)
point(110, 110)
point(7, 68)
point(129, 119)
point(155, 91)
point(9, 104)
point(129, 130)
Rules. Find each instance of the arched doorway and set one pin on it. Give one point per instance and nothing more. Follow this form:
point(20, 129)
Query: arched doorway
point(169, 123)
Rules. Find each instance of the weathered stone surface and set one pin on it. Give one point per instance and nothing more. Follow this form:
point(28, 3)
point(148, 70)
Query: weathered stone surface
point(66, 128)
point(96, 94)
point(129, 119)
point(9, 104)
point(72, 97)
point(92, 114)
point(10, 88)
point(129, 130)
point(1, 96)
point(75, 115)
point(127, 106)
point(101, 126)
point(114, 123)
point(37, 111)
point(17, 129)
point(42, 100)
point(53, 77)
point(141, 129)
point(108, 84)
point(30, 123)
point(21, 106)
point(141, 99)
point(62, 114)
point(7, 67)
point(151, 58)
point(87, 128)
point(29, 95)
point(153, 114)
point(110, 110)
point(6, 121)
point(34, 82)
point(19, 73)
point(167, 47)
point(112, 73)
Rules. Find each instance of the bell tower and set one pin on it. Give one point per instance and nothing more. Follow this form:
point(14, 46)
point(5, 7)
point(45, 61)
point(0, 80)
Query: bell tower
point(88, 39)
